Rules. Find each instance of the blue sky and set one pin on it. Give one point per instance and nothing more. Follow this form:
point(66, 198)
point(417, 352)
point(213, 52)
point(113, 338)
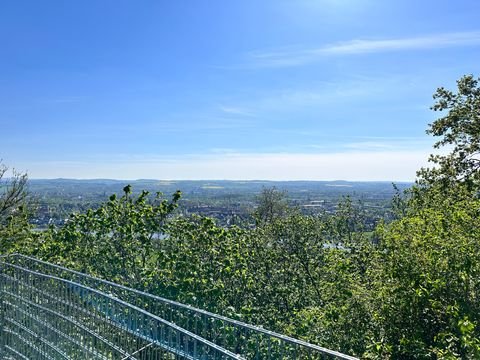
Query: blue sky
point(215, 89)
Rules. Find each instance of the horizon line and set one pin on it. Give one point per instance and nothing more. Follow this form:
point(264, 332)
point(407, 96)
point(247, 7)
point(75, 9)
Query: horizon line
point(230, 180)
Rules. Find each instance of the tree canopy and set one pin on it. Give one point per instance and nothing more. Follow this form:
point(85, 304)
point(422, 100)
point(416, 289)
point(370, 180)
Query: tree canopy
point(459, 129)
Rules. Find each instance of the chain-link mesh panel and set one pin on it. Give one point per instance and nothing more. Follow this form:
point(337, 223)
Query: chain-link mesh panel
point(48, 309)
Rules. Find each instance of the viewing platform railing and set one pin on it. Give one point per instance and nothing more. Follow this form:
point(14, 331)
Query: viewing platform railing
point(50, 312)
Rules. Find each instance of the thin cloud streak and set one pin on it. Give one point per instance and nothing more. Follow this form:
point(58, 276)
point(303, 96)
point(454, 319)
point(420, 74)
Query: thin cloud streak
point(393, 144)
point(233, 110)
point(296, 57)
point(424, 42)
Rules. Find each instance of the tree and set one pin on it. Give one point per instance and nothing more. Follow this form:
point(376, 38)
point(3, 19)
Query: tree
point(460, 131)
point(272, 203)
point(205, 265)
point(12, 192)
point(426, 283)
point(13, 210)
point(425, 273)
point(117, 241)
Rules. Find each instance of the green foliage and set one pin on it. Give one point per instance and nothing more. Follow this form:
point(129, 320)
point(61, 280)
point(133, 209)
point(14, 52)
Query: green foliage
point(203, 264)
point(460, 132)
point(427, 282)
point(272, 204)
point(16, 232)
point(294, 274)
point(325, 260)
point(116, 241)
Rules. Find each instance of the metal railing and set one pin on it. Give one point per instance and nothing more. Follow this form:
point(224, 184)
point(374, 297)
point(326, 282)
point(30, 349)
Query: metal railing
point(49, 309)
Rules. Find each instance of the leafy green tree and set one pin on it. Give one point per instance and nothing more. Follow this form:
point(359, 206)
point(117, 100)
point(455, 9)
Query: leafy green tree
point(427, 283)
point(271, 204)
point(116, 241)
point(330, 257)
point(205, 265)
point(459, 129)
point(425, 287)
point(288, 275)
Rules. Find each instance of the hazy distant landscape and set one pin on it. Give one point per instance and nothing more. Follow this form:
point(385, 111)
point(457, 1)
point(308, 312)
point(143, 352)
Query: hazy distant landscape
point(225, 200)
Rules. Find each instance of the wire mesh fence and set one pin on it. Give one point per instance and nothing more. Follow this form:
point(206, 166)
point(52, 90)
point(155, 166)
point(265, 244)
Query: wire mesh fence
point(50, 312)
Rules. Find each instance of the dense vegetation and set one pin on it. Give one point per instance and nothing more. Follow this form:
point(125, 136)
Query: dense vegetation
point(408, 290)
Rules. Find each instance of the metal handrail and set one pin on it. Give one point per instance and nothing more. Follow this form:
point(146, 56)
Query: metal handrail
point(26, 280)
point(255, 330)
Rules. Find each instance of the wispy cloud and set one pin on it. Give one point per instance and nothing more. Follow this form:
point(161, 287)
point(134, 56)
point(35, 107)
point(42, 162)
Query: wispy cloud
point(333, 96)
point(392, 144)
point(423, 42)
point(300, 56)
point(235, 110)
